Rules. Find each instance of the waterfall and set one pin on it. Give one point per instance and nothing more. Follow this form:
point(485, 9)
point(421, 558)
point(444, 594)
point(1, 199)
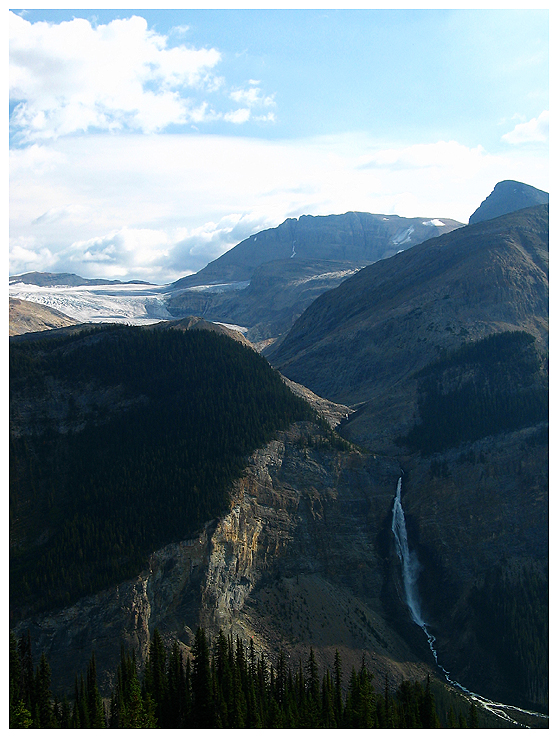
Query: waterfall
point(409, 562)
point(410, 568)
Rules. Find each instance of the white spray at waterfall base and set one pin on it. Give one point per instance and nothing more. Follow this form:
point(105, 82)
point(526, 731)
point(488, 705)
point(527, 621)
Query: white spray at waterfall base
point(410, 568)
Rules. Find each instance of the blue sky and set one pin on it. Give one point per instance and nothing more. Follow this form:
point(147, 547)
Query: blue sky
point(145, 143)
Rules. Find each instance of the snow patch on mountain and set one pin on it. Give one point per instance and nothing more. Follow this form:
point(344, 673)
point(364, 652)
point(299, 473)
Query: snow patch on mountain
point(403, 237)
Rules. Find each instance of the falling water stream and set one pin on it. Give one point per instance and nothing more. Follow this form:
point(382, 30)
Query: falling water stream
point(410, 569)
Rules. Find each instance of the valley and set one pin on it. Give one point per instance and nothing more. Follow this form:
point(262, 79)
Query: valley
point(167, 476)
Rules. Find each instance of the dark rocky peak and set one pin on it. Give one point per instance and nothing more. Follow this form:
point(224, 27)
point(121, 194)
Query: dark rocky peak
point(507, 197)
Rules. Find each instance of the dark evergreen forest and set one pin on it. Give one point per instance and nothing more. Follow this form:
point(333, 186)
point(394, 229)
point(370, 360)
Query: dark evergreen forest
point(512, 611)
point(225, 684)
point(486, 387)
point(90, 501)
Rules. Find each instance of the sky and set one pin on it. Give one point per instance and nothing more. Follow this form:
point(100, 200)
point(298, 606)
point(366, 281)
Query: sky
point(146, 143)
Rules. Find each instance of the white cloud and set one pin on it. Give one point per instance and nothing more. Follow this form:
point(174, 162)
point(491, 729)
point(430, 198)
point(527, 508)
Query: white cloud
point(27, 256)
point(238, 116)
point(265, 118)
point(160, 206)
point(73, 77)
point(53, 215)
point(425, 156)
point(534, 131)
point(127, 247)
point(197, 246)
point(252, 97)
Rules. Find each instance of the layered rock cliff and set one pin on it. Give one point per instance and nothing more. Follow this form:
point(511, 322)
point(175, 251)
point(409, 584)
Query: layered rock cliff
point(300, 560)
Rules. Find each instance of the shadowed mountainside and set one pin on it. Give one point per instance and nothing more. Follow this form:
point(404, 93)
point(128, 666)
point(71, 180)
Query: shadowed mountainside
point(442, 353)
point(361, 343)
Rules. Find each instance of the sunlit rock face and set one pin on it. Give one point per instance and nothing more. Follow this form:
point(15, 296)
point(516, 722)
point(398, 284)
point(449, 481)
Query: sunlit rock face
point(29, 317)
point(300, 560)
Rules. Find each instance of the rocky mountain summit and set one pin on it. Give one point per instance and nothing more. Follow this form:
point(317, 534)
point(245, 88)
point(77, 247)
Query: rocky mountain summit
point(507, 197)
point(265, 282)
point(354, 237)
point(59, 279)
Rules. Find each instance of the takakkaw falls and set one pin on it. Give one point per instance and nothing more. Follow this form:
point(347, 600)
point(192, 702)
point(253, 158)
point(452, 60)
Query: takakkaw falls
point(410, 568)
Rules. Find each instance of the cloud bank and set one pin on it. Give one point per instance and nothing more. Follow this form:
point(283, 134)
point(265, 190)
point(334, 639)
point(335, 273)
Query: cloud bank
point(157, 207)
point(74, 77)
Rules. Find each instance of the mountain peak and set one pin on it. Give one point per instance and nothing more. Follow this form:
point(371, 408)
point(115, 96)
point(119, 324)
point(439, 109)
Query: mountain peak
point(507, 197)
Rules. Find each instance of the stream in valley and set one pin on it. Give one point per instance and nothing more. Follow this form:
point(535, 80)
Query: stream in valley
point(410, 569)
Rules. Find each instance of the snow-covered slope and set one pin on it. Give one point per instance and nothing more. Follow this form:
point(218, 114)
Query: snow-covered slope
point(135, 304)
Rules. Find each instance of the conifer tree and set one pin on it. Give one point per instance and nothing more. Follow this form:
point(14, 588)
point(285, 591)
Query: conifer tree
point(366, 712)
point(155, 678)
point(328, 699)
point(452, 720)
point(94, 702)
point(338, 700)
point(429, 718)
point(473, 721)
point(177, 710)
point(202, 693)
point(45, 715)
point(20, 714)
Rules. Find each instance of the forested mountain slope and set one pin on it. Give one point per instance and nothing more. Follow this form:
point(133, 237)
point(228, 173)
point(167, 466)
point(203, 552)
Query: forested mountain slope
point(137, 503)
point(123, 440)
point(166, 478)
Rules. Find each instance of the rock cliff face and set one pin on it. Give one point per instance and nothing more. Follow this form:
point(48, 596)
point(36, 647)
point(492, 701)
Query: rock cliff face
point(478, 515)
point(304, 556)
point(356, 237)
point(301, 560)
point(478, 512)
